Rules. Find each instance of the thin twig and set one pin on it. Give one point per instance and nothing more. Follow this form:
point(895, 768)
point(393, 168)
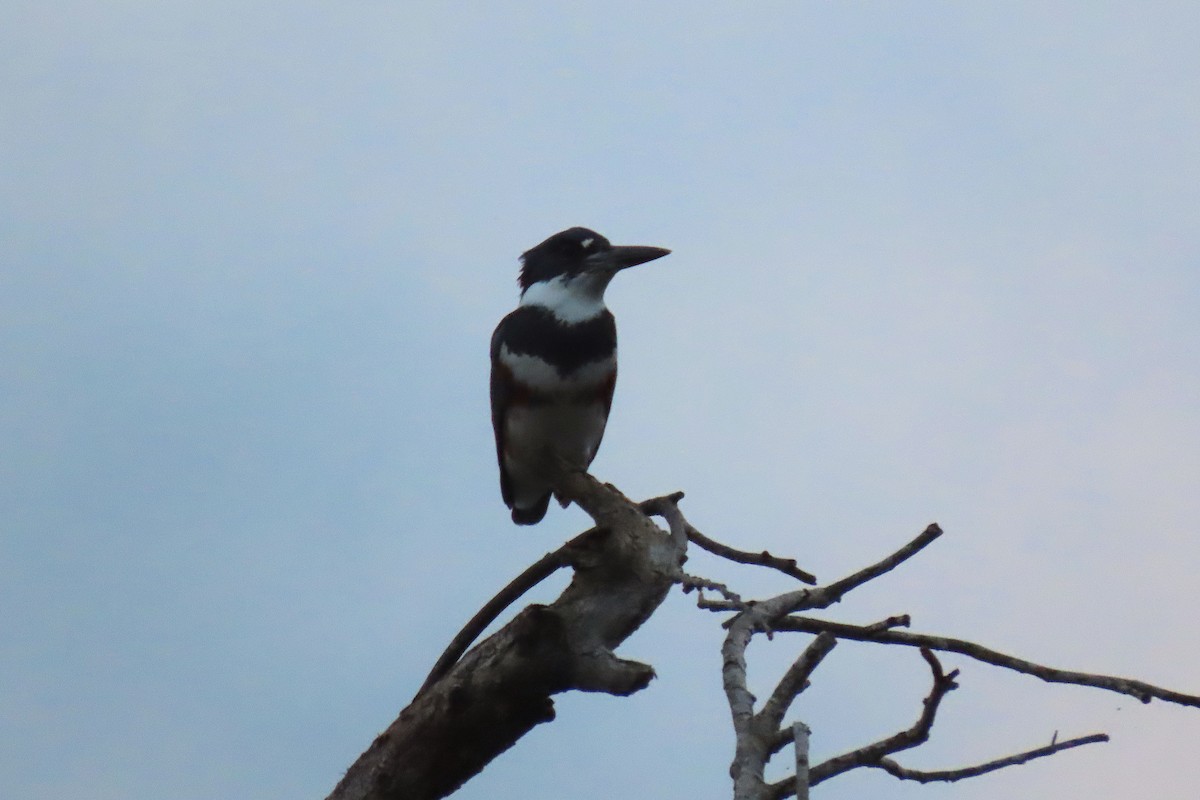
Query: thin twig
point(1141, 690)
point(690, 582)
point(870, 755)
point(950, 775)
point(721, 605)
point(943, 684)
point(901, 621)
point(764, 559)
point(766, 612)
point(534, 574)
point(838, 588)
point(795, 680)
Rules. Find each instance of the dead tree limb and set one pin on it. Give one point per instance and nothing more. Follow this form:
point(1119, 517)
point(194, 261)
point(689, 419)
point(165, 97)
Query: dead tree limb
point(795, 681)
point(1145, 692)
point(474, 706)
point(951, 775)
point(503, 687)
point(534, 574)
point(763, 559)
point(759, 735)
point(870, 755)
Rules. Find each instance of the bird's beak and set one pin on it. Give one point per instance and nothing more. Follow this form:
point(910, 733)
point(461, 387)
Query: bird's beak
point(619, 257)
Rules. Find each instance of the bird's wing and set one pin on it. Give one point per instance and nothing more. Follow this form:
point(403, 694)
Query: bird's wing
point(501, 394)
point(610, 385)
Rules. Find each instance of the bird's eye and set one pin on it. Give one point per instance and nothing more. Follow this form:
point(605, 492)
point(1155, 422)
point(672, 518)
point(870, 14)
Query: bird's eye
point(586, 243)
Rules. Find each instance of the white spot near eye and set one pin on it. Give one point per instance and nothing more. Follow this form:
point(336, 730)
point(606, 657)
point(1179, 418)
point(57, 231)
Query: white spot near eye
point(586, 243)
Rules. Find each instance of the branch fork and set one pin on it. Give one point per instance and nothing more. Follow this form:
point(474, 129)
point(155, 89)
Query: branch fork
point(478, 702)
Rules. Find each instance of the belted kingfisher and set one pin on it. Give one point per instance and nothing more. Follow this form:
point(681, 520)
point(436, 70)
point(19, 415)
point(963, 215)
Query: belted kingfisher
point(554, 365)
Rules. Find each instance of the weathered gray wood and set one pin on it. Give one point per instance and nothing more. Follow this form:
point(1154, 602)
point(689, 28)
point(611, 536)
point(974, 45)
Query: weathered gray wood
point(503, 687)
point(800, 734)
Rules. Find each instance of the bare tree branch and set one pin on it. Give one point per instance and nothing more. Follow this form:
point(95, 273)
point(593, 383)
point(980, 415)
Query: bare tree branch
point(766, 612)
point(795, 680)
point(901, 621)
point(503, 687)
point(722, 605)
point(667, 507)
point(750, 747)
point(534, 574)
point(537, 572)
point(951, 775)
point(837, 589)
point(764, 559)
point(800, 733)
point(1144, 692)
point(871, 754)
point(474, 706)
point(695, 582)
point(758, 736)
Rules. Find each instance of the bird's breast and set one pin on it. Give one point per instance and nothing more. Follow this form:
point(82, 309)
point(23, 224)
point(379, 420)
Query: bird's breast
point(543, 379)
point(567, 430)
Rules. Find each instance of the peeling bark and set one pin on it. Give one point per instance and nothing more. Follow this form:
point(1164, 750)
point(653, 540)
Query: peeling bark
point(504, 686)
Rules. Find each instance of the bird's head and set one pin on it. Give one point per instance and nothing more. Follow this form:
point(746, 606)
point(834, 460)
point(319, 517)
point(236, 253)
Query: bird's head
point(580, 262)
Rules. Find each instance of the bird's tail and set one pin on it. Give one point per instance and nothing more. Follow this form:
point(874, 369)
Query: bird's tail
point(533, 514)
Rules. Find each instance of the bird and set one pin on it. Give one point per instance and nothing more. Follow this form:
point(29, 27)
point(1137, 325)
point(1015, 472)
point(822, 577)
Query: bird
point(554, 365)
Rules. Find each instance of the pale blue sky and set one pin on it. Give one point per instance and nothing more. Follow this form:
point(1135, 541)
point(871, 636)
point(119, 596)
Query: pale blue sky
point(931, 261)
